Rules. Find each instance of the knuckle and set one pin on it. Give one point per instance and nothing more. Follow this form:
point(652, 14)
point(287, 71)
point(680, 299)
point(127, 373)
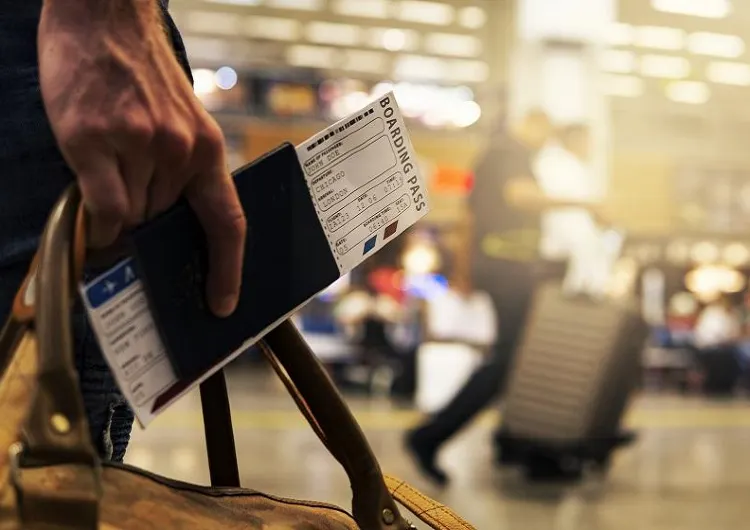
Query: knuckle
point(75, 133)
point(134, 128)
point(211, 139)
point(177, 143)
point(112, 207)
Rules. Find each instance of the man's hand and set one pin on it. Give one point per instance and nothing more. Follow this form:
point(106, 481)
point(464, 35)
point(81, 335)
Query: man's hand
point(131, 129)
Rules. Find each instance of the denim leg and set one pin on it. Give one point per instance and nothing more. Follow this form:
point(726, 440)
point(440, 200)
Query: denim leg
point(110, 418)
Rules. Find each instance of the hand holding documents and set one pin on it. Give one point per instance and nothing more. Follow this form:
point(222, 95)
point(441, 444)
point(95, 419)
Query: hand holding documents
point(314, 213)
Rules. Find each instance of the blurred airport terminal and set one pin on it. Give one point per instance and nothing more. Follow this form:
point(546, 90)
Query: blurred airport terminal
point(630, 117)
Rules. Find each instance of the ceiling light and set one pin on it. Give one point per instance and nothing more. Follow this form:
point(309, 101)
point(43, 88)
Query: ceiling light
point(660, 38)
point(708, 281)
point(727, 73)
point(304, 5)
point(462, 71)
point(204, 81)
point(736, 254)
point(626, 86)
point(665, 66)
point(394, 39)
point(619, 34)
point(472, 17)
point(225, 78)
point(689, 92)
point(272, 28)
point(333, 33)
point(362, 8)
point(312, 56)
point(705, 252)
point(424, 12)
point(617, 61)
point(695, 8)
point(365, 61)
point(716, 45)
point(419, 67)
point(466, 114)
point(453, 44)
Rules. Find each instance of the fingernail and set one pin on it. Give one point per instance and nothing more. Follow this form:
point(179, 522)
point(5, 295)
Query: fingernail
point(225, 306)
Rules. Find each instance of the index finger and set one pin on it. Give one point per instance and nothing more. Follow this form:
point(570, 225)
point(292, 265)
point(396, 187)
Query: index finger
point(214, 199)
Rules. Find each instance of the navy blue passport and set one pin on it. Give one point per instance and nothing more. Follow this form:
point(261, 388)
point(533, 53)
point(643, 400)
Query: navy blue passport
point(287, 261)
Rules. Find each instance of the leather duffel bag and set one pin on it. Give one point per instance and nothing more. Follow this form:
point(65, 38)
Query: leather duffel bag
point(52, 478)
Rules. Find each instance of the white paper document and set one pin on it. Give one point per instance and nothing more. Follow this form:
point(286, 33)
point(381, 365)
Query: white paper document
point(366, 186)
point(118, 311)
point(364, 180)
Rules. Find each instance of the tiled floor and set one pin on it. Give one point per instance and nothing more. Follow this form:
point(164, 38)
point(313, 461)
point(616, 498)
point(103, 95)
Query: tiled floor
point(689, 470)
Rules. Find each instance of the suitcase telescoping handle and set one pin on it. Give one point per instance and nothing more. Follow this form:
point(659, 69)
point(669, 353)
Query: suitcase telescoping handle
point(56, 430)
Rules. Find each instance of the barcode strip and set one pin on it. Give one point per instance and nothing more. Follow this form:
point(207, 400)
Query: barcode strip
point(340, 129)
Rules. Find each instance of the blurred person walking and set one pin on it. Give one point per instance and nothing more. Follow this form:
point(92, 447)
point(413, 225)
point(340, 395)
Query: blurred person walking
point(96, 92)
point(507, 204)
point(573, 235)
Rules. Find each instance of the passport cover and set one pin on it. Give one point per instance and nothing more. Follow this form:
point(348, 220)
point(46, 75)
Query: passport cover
point(287, 261)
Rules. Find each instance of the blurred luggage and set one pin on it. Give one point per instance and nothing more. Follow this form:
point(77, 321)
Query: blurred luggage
point(576, 366)
point(51, 476)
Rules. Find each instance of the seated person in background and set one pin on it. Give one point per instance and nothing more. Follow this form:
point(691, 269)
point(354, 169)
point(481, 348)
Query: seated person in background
point(716, 336)
point(718, 326)
point(462, 314)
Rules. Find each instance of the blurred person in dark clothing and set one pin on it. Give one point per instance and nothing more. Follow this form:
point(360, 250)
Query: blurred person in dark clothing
point(507, 205)
point(98, 92)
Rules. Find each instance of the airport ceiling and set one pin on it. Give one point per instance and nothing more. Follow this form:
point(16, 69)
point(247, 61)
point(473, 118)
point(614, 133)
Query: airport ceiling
point(441, 41)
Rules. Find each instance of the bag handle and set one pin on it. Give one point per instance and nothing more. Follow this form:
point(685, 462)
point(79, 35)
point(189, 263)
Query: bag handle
point(373, 506)
point(434, 514)
point(56, 429)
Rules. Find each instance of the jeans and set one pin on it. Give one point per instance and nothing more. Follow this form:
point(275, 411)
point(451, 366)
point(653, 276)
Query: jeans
point(33, 174)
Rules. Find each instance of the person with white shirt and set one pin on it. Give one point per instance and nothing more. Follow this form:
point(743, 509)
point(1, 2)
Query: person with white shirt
point(462, 314)
point(506, 205)
point(573, 233)
point(718, 326)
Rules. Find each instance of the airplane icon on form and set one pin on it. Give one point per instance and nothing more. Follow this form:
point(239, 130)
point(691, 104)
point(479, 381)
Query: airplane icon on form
point(109, 287)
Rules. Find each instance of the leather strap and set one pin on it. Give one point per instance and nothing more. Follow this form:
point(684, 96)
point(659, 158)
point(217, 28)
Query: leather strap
point(217, 426)
point(372, 505)
point(56, 429)
point(436, 515)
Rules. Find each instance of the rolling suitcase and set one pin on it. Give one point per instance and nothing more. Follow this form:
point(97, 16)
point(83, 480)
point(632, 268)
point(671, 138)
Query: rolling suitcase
point(576, 366)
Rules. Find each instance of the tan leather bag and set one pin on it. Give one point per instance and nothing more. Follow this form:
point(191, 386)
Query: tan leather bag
point(51, 478)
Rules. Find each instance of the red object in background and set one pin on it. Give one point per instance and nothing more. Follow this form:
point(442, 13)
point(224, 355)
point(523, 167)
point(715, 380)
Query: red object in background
point(388, 281)
point(452, 180)
point(681, 323)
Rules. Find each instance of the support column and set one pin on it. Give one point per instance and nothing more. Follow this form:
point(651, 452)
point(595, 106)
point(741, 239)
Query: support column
point(554, 67)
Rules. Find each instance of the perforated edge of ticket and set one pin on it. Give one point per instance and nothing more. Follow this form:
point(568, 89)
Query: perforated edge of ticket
point(367, 188)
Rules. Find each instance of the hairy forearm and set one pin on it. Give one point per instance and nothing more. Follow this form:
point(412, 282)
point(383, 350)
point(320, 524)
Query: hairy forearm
point(139, 16)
